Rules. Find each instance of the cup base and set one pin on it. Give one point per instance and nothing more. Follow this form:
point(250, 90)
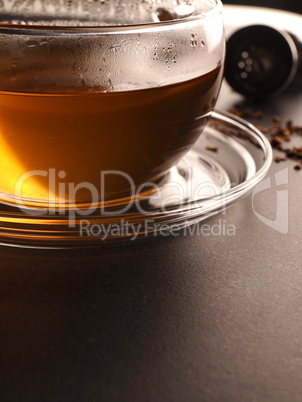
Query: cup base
point(229, 159)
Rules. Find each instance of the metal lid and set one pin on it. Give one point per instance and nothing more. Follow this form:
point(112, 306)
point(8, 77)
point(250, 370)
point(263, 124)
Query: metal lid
point(260, 61)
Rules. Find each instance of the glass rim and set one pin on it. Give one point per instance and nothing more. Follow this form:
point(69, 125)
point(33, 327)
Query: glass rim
point(54, 30)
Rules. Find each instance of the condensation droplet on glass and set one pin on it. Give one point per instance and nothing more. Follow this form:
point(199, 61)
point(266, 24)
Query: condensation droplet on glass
point(193, 40)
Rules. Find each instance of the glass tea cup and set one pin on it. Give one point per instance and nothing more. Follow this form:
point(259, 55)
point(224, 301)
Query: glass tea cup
point(100, 98)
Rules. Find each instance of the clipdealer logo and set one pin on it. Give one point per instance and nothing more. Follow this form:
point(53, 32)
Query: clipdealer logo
point(280, 223)
point(160, 199)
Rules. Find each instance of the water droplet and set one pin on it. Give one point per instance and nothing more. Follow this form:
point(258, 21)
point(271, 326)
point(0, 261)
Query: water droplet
point(193, 40)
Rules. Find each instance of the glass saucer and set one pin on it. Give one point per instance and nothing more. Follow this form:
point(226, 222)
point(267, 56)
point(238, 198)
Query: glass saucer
point(228, 160)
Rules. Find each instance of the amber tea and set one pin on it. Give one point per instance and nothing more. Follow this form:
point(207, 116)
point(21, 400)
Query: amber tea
point(141, 133)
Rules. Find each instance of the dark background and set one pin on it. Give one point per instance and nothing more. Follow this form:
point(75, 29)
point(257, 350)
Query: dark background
point(291, 5)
